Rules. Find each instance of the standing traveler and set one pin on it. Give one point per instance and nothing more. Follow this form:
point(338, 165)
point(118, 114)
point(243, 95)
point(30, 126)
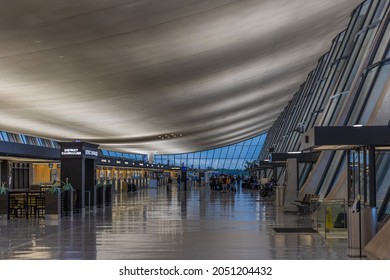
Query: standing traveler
point(178, 183)
point(169, 186)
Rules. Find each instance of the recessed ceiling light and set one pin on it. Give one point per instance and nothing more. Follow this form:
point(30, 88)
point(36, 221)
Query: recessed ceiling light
point(357, 125)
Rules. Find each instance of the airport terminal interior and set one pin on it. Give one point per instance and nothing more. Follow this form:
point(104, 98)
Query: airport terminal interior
point(195, 130)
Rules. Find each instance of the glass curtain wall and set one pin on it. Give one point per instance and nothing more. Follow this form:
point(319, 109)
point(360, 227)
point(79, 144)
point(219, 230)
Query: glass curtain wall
point(228, 158)
point(349, 86)
point(24, 139)
point(129, 156)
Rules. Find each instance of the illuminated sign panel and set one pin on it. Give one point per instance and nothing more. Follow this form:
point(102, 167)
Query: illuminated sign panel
point(78, 152)
point(91, 153)
point(71, 152)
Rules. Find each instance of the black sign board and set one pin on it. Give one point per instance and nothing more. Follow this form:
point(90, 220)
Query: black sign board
point(78, 150)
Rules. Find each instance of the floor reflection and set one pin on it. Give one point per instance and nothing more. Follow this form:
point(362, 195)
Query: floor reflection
point(156, 224)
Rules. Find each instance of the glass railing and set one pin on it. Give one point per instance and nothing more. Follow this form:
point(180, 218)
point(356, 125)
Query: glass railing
point(330, 219)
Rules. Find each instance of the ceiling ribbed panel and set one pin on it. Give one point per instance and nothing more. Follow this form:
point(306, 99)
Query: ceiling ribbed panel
point(124, 74)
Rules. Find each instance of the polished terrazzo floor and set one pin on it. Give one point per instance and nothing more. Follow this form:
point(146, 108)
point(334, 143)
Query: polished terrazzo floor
point(154, 224)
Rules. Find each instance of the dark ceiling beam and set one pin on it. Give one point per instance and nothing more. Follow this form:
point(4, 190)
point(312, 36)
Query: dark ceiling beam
point(346, 137)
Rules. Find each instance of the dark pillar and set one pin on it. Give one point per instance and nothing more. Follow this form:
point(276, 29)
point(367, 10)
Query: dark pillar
point(349, 178)
point(275, 173)
point(73, 169)
point(184, 177)
point(78, 164)
point(90, 179)
point(4, 172)
point(372, 179)
point(358, 171)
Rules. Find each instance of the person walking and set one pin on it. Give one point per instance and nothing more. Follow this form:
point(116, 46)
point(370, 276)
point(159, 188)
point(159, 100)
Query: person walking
point(169, 186)
point(224, 185)
point(178, 183)
point(228, 183)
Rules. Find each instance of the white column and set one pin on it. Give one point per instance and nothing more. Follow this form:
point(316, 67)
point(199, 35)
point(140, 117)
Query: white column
point(151, 157)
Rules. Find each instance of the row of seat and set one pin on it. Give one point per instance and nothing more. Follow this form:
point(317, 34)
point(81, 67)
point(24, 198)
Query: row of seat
point(308, 204)
point(26, 205)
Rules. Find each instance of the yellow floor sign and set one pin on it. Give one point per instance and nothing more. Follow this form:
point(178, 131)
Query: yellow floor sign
point(329, 220)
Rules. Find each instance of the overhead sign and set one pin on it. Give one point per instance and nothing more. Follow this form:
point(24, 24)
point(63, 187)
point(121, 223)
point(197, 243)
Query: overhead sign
point(78, 150)
point(71, 152)
point(91, 152)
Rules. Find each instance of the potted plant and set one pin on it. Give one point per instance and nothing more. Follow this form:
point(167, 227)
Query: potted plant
point(67, 186)
point(67, 190)
point(53, 189)
point(3, 189)
point(4, 200)
point(53, 202)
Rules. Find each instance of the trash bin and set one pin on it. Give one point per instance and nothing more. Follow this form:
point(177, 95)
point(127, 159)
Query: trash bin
point(279, 200)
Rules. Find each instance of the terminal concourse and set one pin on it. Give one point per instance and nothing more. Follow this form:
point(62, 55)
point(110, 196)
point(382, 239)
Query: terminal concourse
point(217, 129)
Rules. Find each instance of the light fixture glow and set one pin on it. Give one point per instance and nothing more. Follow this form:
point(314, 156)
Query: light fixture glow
point(296, 152)
point(357, 125)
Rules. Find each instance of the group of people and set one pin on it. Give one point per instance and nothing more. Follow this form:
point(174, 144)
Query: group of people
point(225, 183)
point(265, 186)
point(170, 181)
point(196, 181)
point(230, 183)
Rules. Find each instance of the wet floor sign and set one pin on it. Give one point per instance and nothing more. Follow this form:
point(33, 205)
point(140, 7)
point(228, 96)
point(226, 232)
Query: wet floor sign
point(329, 220)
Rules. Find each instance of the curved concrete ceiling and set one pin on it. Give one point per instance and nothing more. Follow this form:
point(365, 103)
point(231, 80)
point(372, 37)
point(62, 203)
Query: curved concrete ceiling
point(170, 76)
